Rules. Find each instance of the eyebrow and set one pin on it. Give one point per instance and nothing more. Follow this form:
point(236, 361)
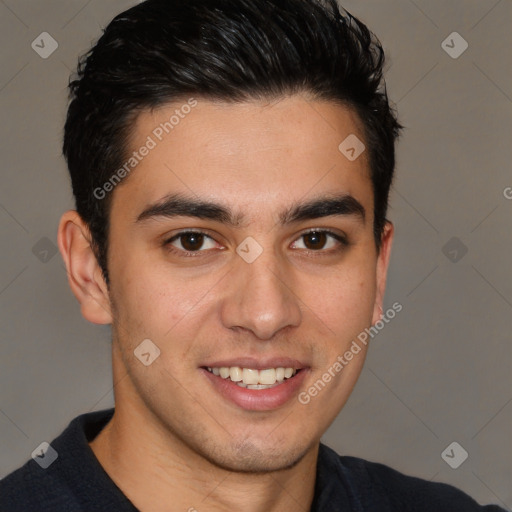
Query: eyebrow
point(177, 205)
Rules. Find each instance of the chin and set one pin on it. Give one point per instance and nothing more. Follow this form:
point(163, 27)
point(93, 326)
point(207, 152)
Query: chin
point(250, 457)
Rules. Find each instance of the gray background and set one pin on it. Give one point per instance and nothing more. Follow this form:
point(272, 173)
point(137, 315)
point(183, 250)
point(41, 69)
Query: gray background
point(439, 372)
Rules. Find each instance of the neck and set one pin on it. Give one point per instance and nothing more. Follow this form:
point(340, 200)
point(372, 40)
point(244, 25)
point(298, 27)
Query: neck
point(157, 471)
point(153, 470)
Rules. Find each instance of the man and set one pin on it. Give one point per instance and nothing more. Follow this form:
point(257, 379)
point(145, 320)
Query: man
point(231, 162)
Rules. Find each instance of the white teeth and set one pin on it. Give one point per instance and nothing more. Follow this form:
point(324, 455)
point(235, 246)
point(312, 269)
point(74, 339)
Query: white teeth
point(260, 386)
point(250, 376)
point(235, 374)
point(267, 376)
point(254, 379)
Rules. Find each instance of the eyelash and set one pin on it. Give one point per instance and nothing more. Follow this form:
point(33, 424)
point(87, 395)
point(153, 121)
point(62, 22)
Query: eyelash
point(344, 243)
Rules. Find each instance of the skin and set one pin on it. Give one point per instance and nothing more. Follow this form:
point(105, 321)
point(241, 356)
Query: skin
point(174, 442)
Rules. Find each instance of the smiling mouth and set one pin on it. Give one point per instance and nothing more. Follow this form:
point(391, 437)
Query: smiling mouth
point(251, 378)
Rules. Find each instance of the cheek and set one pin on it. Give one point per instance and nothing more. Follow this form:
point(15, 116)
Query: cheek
point(159, 300)
point(141, 293)
point(344, 300)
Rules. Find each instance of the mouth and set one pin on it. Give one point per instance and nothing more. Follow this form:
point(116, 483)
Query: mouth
point(252, 378)
point(264, 388)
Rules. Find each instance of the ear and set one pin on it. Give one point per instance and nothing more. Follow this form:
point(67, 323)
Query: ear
point(84, 273)
point(382, 269)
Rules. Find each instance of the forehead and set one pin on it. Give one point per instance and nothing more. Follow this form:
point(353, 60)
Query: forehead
point(257, 153)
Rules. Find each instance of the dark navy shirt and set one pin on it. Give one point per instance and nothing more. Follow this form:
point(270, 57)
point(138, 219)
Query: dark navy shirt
point(76, 482)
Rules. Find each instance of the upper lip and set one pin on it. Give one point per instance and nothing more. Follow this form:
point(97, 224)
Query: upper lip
point(257, 364)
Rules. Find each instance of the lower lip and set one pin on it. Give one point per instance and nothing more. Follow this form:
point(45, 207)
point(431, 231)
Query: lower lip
point(257, 399)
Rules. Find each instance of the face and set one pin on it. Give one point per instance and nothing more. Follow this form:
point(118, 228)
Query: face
point(242, 245)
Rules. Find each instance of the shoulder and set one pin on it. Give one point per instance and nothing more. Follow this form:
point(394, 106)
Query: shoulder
point(29, 487)
point(64, 477)
point(379, 487)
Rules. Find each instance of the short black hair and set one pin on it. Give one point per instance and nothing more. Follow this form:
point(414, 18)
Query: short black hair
point(162, 51)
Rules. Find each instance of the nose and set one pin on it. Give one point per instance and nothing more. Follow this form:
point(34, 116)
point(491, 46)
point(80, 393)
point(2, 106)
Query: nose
point(260, 298)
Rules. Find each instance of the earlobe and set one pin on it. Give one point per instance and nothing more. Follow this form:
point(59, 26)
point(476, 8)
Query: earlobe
point(382, 269)
point(84, 273)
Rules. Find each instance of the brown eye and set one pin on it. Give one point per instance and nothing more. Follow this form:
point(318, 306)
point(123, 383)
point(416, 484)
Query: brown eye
point(315, 240)
point(192, 241)
point(321, 241)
